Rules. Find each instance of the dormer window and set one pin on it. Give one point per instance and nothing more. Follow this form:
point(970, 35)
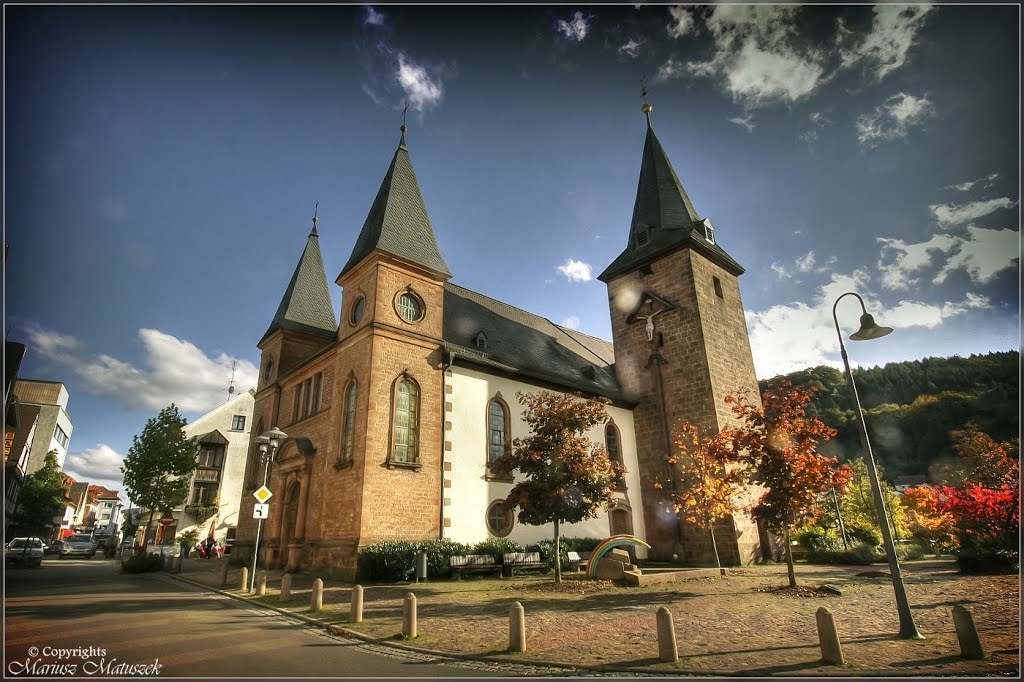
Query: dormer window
point(709, 232)
point(643, 235)
point(480, 341)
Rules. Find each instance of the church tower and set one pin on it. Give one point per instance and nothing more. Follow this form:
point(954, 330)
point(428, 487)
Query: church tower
point(680, 341)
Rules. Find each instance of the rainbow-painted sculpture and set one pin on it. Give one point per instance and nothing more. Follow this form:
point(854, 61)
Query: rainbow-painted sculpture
point(608, 545)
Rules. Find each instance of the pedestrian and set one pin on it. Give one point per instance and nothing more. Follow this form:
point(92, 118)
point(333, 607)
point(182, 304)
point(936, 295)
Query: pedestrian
point(220, 549)
point(210, 542)
point(200, 550)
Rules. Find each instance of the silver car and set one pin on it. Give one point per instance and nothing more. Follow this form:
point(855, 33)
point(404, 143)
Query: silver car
point(24, 551)
point(79, 544)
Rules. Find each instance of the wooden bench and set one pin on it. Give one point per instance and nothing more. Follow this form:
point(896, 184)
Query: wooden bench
point(475, 563)
point(575, 561)
point(522, 561)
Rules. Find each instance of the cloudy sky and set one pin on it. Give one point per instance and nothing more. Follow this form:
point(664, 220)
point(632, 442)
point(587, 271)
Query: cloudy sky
point(162, 165)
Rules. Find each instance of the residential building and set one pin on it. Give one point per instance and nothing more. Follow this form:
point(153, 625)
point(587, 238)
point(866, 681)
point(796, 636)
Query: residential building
point(55, 427)
point(395, 415)
point(14, 469)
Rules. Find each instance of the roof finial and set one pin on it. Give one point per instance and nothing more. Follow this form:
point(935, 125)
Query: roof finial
point(646, 108)
point(404, 128)
point(315, 220)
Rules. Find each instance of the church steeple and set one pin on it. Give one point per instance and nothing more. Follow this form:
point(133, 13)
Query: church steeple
point(398, 223)
point(664, 218)
point(306, 305)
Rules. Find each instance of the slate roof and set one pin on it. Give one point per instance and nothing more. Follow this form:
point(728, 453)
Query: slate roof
point(522, 343)
point(663, 205)
point(398, 222)
point(306, 305)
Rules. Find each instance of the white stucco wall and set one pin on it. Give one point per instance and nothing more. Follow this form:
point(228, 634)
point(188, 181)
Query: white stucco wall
point(470, 493)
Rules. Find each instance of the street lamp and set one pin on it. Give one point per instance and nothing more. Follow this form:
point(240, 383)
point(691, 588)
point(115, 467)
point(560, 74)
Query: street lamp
point(869, 330)
point(268, 440)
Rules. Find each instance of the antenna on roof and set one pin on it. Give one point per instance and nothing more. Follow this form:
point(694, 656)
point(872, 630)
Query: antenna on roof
point(231, 385)
point(315, 219)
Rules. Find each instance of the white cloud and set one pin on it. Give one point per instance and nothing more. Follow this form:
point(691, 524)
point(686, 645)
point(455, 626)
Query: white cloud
point(892, 34)
point(174, 371)
point(682, 22)
point(631, 48)
point(575, 270)
point(745, 121)
point(670, 69)
point(420, 88)
point(984, 255)
point(781, 270)
point(575, 29)
point(373, 17)
point(949, 215)
point(893, 119)
point(757, 58)
point(985, 182)
point(806, 262)
point(899, 262)
point(93, 465)
point(572, 322)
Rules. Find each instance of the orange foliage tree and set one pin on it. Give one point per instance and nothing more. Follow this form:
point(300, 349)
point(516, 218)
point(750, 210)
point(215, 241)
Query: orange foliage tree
point(702, 487)
point(777, 444)
point(924, 518)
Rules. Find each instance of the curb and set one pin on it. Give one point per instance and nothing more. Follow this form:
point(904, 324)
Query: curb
point(840, 671)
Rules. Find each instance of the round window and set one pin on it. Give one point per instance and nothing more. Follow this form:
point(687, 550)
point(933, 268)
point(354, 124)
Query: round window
point(410, 307)
point(269, 369)
point(499, 518)
point(357, 311)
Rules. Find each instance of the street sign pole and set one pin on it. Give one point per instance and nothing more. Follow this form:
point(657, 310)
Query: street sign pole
point(259, 524)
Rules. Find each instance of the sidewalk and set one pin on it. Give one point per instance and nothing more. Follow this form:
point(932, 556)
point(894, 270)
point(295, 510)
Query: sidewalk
point(737, 625)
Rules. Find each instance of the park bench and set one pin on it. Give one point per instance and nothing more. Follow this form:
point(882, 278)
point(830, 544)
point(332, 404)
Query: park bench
point(522, 561)
point(475, 563)
point(576, 562)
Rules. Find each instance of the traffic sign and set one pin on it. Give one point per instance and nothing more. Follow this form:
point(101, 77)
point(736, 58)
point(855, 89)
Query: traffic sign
point(261, 511)
point(166, 519)
point(263, 494)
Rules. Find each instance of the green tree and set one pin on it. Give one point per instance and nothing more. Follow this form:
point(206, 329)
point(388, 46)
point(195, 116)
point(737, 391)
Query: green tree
point(858, 505)
point(42, 497)
point(157, 467)
point(568, 478)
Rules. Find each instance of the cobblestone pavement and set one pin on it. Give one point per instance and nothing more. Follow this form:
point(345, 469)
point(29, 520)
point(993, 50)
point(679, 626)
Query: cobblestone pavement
point(740, 624)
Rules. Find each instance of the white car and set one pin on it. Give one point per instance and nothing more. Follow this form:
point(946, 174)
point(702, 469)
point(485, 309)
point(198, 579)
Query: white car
point(78, 544)
point(25, 551)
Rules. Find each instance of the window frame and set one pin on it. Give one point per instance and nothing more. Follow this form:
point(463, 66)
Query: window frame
point(349, 405)
point(491, 472)
point(356, 312)
point(235, 424)
point(417, 299)
point(509, 515)
point(612, 434)
point(412, 461)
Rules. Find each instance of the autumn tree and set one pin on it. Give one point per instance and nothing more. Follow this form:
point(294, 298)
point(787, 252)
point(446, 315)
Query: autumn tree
point(159, 462)
point(928, 524)
point(858, 503)
point(568, 478)
point(42, 497)
point(702, 486)
point(778, 445)
point(981, 460)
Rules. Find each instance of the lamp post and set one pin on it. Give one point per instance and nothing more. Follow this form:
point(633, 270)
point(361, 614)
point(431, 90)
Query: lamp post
point(869, 330)
point(268, 440)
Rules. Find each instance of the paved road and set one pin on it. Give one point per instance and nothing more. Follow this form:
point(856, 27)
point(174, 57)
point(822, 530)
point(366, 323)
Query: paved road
point(180, 631)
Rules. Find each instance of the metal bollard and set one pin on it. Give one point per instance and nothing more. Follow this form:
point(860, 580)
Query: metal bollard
point(517, 629)
point(316, 600)
point(261, 583)
point(356, 610)
point(828, 638)
point(224, 575)
point(667, 649)
point(286, 587)
point(409, 616)
point(967, 633)
point(245, 579)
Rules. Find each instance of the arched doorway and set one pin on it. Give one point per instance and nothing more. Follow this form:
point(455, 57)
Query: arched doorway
point(291, 511)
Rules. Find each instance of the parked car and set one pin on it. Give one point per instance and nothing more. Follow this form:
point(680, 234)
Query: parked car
point(24, 551)
point(53, 547)
point(79, 544)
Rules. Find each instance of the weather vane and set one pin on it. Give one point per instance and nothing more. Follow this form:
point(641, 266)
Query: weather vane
point(316, 220)
point(403, 117)
point(646, 108)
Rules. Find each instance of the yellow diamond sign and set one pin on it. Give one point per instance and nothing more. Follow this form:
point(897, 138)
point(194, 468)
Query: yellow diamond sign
point(263, 494)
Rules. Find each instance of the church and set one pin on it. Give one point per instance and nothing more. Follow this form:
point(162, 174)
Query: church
point(396, 407)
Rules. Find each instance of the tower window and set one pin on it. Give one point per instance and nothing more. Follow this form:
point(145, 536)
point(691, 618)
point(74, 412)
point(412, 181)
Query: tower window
point(718, 288)
point(410, 307)
point(643, 235)
point(406, 422)
point(709, 232)
point(357, 311)
point(269, 369)
point(348, 429)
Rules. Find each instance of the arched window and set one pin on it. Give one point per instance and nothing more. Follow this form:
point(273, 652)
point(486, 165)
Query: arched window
point(254, 455)
point(405, 448)
point(497, 430)
point(612, 444)
point(348, 426)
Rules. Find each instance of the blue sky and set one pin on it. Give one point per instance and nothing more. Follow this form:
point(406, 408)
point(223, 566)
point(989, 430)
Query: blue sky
point(162, 164)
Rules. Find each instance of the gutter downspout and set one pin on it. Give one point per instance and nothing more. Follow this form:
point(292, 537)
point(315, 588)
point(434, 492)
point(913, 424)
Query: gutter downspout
point(444, 373)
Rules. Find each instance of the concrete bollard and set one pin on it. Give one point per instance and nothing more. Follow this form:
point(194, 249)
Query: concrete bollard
point(517, 629)
point(245, 579)
point(667, 649)
point(261, 583)
point(967, 633)
point(409, 616)
point(316, 600)
point(355, 613)
point(224, 575)
point(828, 638)
point(286, 587)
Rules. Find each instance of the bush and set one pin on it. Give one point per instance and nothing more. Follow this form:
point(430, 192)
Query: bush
point(387, 562)
point(910, 551)
point(864, 534)
point(438, 554)
point(546, 548)
point(974, 559)
point(497, 547)
point(141, 564)
point(581, 544)
point(859, 554)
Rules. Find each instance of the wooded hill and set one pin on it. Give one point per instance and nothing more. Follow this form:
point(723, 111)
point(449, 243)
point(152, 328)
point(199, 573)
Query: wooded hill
point(910, 407)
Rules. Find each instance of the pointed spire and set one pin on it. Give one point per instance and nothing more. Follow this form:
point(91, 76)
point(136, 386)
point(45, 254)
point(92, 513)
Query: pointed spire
point(398, 222)
point(664, 218)
point(316, 220)
point(306, 305)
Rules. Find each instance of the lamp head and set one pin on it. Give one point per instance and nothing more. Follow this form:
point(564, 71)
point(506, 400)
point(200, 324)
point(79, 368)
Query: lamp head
point(275, 436)
point(262, 440)
point(869, 330)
